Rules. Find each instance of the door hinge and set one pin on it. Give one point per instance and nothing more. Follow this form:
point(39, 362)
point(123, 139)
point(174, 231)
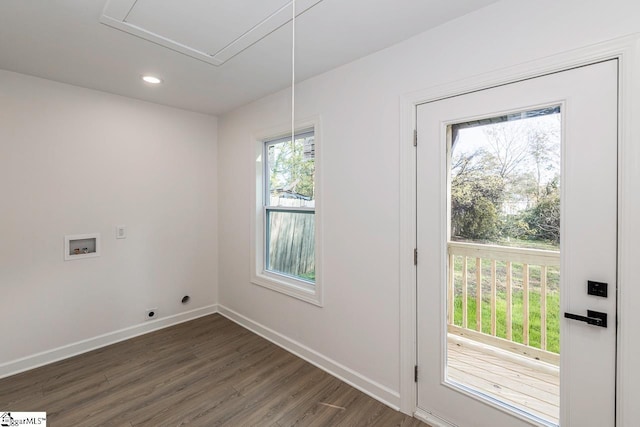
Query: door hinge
point(415, 256)
point(415, 137)
point(415, 373)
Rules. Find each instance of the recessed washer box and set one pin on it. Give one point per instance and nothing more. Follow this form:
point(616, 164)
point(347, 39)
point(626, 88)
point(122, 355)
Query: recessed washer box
point(80, 246)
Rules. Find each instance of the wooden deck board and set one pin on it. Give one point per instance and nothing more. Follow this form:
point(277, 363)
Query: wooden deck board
point(493, 367)
point(517, 384)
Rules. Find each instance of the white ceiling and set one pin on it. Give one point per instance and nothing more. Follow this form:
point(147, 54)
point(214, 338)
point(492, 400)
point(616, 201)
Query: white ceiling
point(63, 40)
point(238, 17)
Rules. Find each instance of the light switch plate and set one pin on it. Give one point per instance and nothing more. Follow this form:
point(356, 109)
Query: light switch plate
point(121, 232)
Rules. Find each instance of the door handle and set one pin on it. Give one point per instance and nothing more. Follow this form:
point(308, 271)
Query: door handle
point(595, 318)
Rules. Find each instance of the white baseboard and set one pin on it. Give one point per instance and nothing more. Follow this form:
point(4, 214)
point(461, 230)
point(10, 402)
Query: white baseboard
point(50, 356)
point(377, 391)
point(431, 419)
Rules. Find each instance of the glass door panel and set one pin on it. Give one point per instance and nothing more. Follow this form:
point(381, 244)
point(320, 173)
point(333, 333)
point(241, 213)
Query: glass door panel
point(503, 296)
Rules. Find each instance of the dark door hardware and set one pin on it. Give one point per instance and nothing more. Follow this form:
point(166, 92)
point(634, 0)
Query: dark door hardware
point(595, 318)
point(598, 289)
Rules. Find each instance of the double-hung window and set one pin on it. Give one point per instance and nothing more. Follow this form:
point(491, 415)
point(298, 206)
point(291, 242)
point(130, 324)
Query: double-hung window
point(287, 248)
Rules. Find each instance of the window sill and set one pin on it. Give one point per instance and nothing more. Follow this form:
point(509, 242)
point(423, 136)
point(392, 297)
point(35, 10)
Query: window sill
point(289, 286)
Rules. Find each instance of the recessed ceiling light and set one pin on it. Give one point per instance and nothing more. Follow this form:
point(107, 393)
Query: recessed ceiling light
point(151, 79)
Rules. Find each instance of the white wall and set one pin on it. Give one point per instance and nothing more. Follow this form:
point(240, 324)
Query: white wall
point(77, 161)
point(359, 104)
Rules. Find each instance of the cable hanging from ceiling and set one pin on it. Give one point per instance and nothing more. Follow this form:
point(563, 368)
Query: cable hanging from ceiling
point(293, 70)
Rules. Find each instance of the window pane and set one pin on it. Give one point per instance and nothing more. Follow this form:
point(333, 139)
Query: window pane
point(505, 180)
point(503, 302)
point(291, 170)
point(291, 244)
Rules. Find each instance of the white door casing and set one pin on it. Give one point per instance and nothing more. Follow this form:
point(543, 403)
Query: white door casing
point(588, 96)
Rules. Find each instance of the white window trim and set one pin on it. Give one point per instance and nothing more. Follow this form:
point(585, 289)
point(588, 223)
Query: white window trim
point(300, 289)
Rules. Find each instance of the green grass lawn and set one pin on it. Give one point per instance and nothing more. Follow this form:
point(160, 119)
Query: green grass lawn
point(514, 242)
point(553, 273)
point(309, 276)
point(517, 275)
point(553, 321)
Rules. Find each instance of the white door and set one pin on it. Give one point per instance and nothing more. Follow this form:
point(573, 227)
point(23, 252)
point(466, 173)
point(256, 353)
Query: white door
point(495, 280)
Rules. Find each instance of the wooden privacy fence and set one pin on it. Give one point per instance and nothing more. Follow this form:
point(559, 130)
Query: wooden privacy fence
point(466, 263)
point(292, 242)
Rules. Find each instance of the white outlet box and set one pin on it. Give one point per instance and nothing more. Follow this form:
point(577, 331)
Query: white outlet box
point(80, 246)
point(151, 314)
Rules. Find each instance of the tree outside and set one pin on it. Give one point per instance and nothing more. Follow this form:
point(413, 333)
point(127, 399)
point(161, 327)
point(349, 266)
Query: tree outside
point(505, 182)
point(505, 190)
point(292, 170)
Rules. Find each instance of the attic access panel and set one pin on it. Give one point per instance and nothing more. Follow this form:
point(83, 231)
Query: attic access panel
point(211, 31)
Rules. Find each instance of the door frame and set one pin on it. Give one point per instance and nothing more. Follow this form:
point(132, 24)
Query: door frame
point(627, 51)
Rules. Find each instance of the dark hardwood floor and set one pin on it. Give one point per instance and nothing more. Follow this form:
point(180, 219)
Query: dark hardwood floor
point(206, 372)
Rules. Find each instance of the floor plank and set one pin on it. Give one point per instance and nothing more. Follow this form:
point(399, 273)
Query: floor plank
point(207, 372)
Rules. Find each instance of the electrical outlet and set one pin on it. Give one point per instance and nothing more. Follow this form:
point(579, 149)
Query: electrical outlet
point(151, 313)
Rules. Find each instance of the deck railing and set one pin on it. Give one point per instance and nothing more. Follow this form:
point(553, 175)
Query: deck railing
point(501, 272)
